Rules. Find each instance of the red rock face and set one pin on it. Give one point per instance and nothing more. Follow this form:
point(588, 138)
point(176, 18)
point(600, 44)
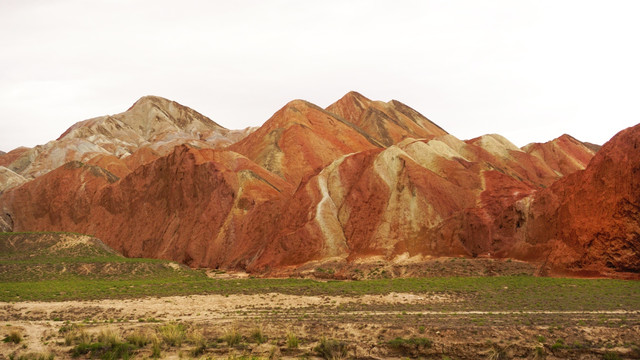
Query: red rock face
point(188, 206)
point(388, 123)
point(300, 140)
point(61, 200)
point(589, 221)
point(564, 155)
point(318, 185)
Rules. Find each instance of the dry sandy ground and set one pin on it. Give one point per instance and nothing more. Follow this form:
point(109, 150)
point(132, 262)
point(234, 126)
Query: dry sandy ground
point(365, 329)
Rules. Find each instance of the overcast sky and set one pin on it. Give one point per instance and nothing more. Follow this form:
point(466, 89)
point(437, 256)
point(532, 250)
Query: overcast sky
point(528, 70)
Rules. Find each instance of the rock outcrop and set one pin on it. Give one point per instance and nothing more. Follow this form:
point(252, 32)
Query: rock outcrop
point(9, 179)
point(587, 222)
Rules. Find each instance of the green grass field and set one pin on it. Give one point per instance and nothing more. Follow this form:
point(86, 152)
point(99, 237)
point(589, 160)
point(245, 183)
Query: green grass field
point(34, 266)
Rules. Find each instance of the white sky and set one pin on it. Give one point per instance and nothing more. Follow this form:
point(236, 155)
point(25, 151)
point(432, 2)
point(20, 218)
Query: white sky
point(528, 70)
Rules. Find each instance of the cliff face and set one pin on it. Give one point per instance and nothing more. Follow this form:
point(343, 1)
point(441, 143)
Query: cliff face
point(589, 221)
point(362, 180)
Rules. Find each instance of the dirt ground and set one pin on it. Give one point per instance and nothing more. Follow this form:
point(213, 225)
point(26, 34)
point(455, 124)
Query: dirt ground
point(365, 327)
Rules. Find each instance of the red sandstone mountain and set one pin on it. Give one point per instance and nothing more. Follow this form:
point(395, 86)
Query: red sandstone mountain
point(362, 180)
point(588, 221)
point(151, 122)
point(564, 155)
point(300, 140)
point(388, 123)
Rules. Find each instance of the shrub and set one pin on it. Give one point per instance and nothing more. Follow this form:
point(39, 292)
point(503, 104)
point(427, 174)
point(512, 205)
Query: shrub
point(173, 334)
point(232, 337)
point(400, 343)
point(109, 336)
point(34, 356)
point(559, 344)
point(292, 340)
point(611, 356)
point(14, 336)
point(139, 338)
point(258, 336)
point(331, 349)
point(155, 348)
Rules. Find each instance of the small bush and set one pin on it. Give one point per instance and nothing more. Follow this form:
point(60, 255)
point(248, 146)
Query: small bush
point(400, 343)
point(539, 353)
point(106, 351)
point(421, 329)
point(173, 334)
point(155, 348)
point(35, 356)
point(292, 341)
point(332, 349)
point(232, 337)
point(14, 336)
point(559, 344)
point(109, 336)
point(497, 353)
point(258, 336)
point(611, 356)
point(139, 338)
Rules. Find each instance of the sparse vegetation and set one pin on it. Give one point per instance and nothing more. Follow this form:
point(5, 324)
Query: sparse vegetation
point(257, 336)
point(497, 302)
point(292, 340)
point(172, 334)
point(232, 337)
point(411, 343)
point(14, 336)
point(332, 349)
point(139, 338)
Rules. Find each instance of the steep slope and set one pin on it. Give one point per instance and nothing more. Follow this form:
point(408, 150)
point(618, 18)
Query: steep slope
point(362, 181)
point(11, 156)
point(9, 179)
point(564, 154)
point(588, 221)
point(300, 140)
point(388, 123)
point(151, 122)
point(60, 200)
point(524, 166)
point(435, 197)
point(188, 206)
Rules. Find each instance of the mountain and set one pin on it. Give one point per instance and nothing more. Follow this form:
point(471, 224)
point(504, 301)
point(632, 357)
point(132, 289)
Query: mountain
point(587, 222)
point(300, 140)
point(360, 181)
point(564, 155)
point(388, 123)
point(151, 122)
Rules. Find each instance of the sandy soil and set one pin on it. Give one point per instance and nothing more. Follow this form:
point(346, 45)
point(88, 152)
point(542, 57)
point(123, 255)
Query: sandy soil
point(365, 330)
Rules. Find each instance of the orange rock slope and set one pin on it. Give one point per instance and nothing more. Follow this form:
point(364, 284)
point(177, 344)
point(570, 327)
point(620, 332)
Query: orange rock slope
point(151, 122)
point(360, 181)
point(587, 222)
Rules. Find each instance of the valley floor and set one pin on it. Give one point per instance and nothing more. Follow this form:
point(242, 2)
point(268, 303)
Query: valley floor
point(277, 325)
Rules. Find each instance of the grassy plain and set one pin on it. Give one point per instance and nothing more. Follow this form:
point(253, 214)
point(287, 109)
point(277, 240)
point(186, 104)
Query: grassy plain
point(70, 296)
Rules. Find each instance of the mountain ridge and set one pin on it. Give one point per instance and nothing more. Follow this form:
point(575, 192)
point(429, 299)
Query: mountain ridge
point(359, 181)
